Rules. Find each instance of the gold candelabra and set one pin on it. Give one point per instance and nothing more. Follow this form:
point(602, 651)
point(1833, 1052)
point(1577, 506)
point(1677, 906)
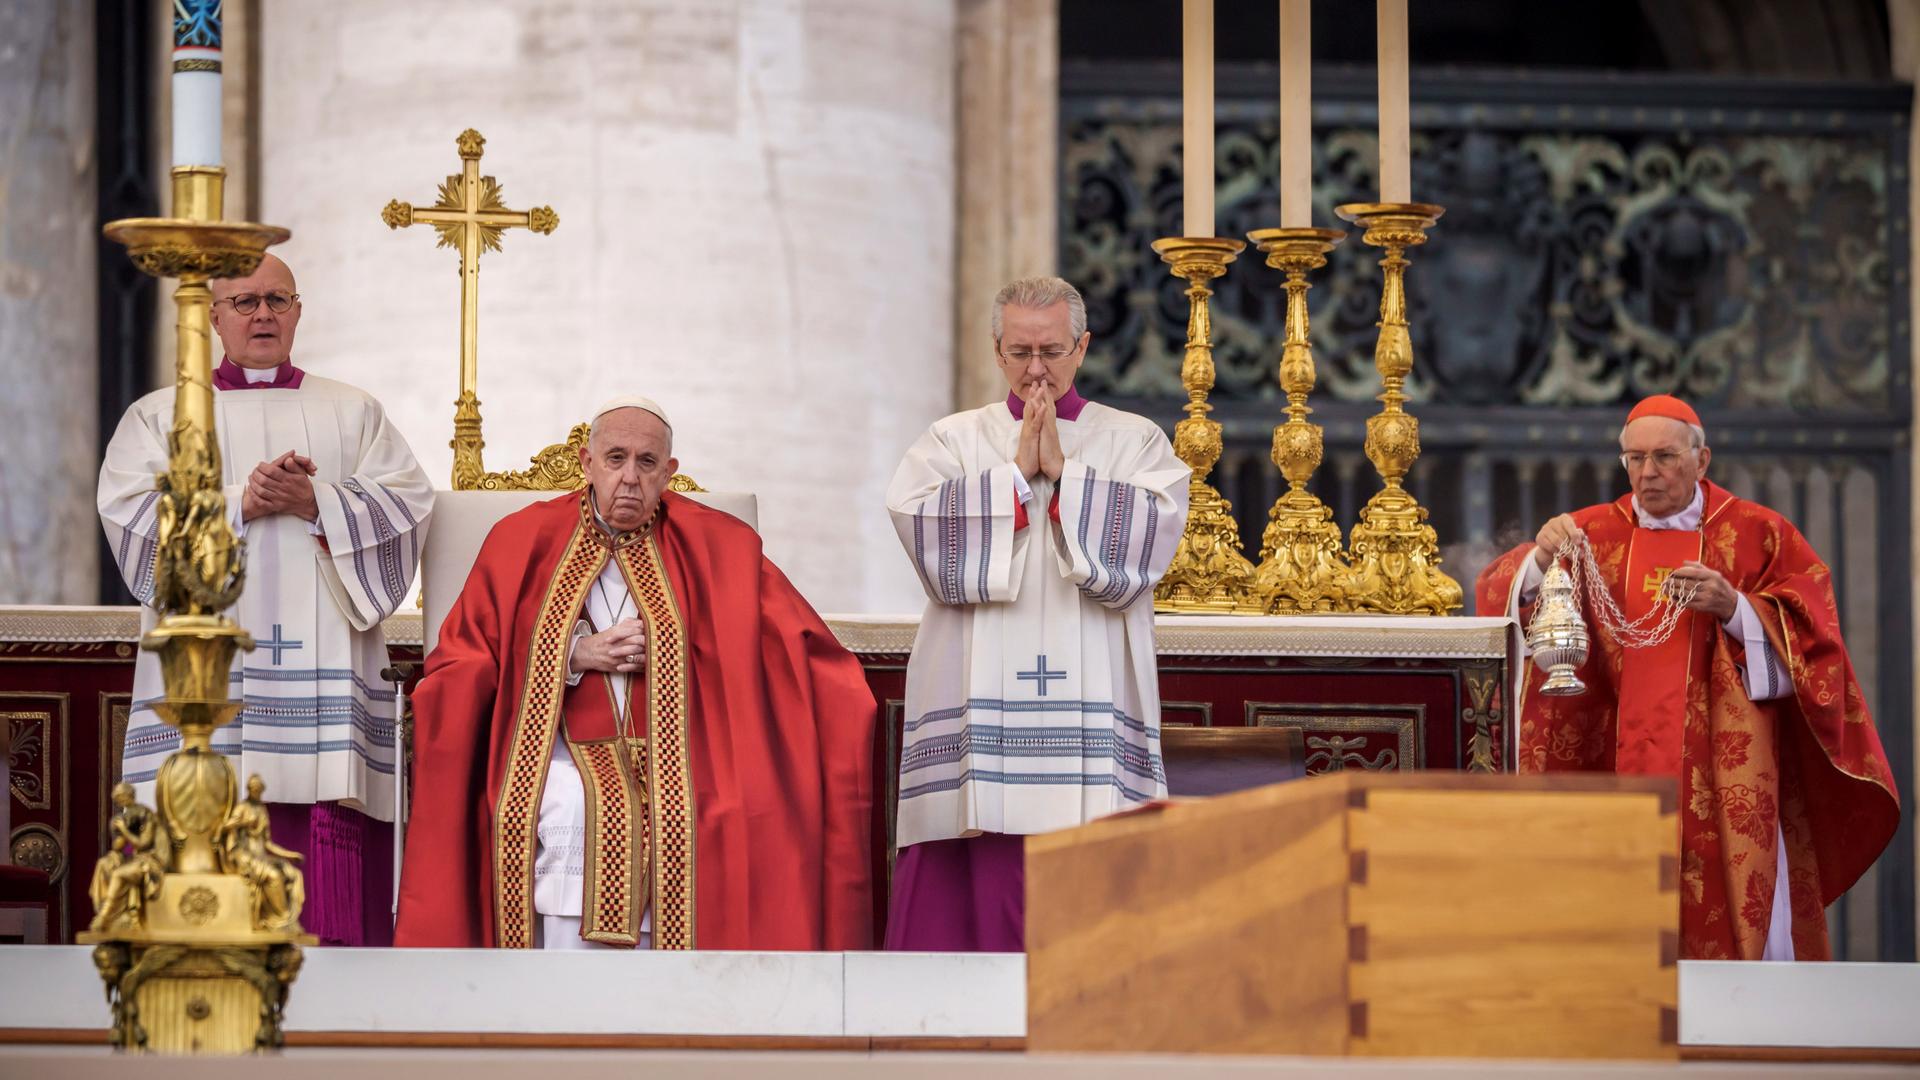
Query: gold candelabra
point(1394, 552)
point(1302, 568)
point(1208, 572)
point(196, 929)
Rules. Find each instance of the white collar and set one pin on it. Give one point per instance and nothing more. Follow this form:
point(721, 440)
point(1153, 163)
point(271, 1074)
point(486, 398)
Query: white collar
point(1686, 520)
point(260, 375)
point(594, 502)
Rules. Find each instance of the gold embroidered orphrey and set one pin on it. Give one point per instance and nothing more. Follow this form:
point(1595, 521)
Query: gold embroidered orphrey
point(640, 803)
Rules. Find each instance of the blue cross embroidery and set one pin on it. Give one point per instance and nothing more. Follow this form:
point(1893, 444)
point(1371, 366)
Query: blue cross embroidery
point(1041, 677)
point(277, 645)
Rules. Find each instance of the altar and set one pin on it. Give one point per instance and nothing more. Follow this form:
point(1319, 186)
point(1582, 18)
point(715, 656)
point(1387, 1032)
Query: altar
point(1378, 693)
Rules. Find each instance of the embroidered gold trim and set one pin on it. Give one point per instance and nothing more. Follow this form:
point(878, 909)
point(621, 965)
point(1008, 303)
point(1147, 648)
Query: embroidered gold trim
point(669, 768)
point(516, 815)
point(618, 859)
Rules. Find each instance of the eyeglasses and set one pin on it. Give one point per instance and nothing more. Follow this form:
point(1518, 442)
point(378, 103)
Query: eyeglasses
point(248, 303)
point(1663, 460)
point(1052, 354)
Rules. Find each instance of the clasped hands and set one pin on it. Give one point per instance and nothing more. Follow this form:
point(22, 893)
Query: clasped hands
point(620, 648)
point(1039, 434)
point(281, 486)
point(1715, 596)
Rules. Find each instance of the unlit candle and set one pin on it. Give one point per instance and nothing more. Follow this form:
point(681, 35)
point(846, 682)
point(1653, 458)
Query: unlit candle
point(1296, 113)
point(1395, 170)
point(1196, 68)
point(196, 82)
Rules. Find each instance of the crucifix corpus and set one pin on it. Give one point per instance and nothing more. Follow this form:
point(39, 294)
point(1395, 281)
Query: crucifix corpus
point(469, 217)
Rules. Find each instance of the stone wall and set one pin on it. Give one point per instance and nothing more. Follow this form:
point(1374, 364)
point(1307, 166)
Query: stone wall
point(756, 207)
point(1009, 86)
point(48, 346)
point(1904, 17)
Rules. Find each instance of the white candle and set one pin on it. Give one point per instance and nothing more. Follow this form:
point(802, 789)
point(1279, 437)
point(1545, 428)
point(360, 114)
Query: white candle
point(1296, 114)
point(196, 82)
point(1196, 68)
point(1395, 171)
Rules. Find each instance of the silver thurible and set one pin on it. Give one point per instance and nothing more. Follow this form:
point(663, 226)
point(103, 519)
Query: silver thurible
point(1558, 635)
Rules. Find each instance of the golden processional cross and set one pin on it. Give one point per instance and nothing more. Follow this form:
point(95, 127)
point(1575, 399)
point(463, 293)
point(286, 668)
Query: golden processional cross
point(469, 218)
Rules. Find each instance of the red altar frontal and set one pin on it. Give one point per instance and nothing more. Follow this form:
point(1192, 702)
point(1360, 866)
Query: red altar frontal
point(1376, 693)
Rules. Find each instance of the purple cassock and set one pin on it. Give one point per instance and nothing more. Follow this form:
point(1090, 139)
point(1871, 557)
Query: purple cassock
point(966, 895)
point(347, 856)
point(969, 894)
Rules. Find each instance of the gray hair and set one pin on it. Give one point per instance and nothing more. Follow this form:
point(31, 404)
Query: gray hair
point(1042, 292)
point(593, 429)
point(1696, 435)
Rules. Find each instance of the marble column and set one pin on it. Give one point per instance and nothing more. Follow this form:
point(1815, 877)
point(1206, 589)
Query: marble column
point(48, 342)
point(1009, 80)
point(1903, 17)
point(756, 204)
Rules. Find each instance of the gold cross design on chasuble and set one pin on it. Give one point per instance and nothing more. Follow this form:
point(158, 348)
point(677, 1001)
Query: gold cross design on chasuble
point(1656, 580)
point(469, 217)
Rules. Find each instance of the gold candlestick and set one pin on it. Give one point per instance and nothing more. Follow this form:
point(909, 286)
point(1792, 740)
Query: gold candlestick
point(1394, 552)
point(1302, 567)
point(1208, 572)
point(196, 928)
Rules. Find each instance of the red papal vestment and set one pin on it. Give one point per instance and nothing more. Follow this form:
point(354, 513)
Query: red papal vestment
point(1807, 766)
point(745, 822)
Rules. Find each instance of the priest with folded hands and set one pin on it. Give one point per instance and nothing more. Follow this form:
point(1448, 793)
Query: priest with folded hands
point(1039, 526)
point(332, 508)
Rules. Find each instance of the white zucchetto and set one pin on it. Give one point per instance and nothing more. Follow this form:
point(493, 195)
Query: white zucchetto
point(632, 401)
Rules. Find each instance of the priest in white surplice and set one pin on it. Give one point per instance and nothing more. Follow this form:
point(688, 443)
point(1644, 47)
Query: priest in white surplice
point(332, 508)
point(1039, 526)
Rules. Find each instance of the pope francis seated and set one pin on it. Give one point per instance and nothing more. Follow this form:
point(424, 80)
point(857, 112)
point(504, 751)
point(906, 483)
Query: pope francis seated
point(633, 732)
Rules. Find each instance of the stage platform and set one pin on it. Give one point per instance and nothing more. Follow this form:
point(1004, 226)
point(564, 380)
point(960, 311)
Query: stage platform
point(860, 1002)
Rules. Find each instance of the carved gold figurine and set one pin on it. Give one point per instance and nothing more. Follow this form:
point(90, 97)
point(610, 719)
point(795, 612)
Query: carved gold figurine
point(1208, 572)
point(1394, 552)
point(279, 889)
point(128, 875)
point(1302, 567)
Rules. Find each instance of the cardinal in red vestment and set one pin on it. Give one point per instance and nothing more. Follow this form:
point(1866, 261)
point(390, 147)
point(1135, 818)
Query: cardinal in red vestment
point(1786, 795)
point(634, 732)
